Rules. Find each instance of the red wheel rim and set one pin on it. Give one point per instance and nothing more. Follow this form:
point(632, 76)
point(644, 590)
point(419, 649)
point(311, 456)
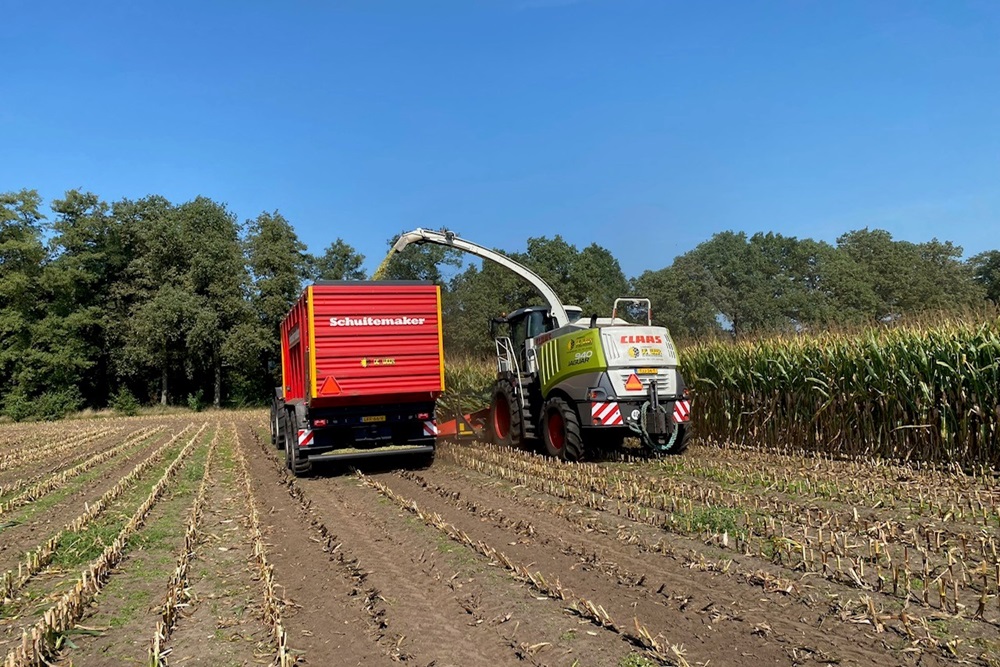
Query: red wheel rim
point(557, 430)
point(501, 417)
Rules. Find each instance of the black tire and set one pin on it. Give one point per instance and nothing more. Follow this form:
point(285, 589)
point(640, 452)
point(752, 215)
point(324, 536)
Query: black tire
point(294, 460)
point(301, 466)
point(505, 416)
point(290, 441)
point(278, 426)
point(561, 431)
point(683, 440)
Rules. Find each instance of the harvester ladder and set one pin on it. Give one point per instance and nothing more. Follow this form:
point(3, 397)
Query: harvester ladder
point(507, 364)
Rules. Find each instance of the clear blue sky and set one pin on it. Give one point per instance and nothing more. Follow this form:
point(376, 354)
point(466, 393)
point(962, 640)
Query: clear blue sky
point(643, 125)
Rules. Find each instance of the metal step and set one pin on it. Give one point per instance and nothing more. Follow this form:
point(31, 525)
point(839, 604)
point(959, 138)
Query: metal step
point(527, 419)
point(528, 423)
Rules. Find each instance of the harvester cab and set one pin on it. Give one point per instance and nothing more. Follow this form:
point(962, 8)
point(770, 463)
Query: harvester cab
point(576, 383)
point(523, 325)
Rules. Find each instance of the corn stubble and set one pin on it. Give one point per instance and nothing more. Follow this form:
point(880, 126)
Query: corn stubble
point(178, 588)
point(942, 558)
point(43, 639)
point(663, 652)
point(37, 559)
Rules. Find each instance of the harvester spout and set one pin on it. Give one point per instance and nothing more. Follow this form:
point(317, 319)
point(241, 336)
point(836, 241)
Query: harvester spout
point(451, 240)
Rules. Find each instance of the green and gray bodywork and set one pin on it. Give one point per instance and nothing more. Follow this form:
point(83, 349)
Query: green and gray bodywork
point(592, 366)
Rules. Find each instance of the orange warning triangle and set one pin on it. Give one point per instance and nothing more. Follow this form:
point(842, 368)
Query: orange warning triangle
point(633, 383)
point(330, 387)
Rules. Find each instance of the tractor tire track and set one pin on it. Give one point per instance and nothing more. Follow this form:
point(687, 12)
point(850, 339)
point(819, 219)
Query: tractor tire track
point(433, 609)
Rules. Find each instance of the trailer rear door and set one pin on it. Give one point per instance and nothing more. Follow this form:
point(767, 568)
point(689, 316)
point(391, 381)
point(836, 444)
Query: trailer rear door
point(375, 339)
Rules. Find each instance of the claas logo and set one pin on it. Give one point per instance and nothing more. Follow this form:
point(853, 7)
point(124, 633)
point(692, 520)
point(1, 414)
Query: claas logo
point(648, 340)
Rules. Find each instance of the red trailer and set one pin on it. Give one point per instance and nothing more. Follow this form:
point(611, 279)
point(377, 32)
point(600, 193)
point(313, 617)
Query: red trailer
point(362, 365)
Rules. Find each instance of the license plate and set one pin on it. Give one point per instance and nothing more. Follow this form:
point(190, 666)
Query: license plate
point(372, 419)
point(646, 371)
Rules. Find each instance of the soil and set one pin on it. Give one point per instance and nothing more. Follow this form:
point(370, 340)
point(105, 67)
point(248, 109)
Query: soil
point(223, 624)
point(388, 567)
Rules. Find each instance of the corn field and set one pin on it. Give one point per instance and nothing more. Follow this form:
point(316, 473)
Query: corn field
point(915, 394)
point(185, 540)
point(468, 385)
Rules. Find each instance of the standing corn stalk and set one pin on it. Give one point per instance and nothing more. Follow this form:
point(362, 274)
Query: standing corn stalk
point(911, 393)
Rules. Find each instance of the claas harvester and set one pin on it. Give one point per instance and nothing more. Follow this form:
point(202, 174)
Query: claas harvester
point(575, 382)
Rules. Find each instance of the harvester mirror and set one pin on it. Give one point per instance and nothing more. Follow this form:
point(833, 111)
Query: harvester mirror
point(633, 308)
point(495, 323)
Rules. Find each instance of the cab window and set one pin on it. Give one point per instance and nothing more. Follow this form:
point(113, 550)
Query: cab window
point(518, 334)
point(537, 323)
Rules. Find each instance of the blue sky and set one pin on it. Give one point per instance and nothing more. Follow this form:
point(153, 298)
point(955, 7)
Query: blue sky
point(642, 125)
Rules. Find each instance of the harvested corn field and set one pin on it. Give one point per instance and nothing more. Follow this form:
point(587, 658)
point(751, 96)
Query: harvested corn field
point(180, 541)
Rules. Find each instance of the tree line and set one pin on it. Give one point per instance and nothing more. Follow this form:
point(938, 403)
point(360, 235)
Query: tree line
point(150, 301)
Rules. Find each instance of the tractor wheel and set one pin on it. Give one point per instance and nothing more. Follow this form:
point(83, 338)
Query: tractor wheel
point(505, 416)
point(561, 430)
point(683, 439)
point(278, 427)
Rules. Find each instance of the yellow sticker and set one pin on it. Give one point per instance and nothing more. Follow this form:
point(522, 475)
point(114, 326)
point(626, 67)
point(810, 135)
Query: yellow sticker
point(646, 371)
point(373, 418)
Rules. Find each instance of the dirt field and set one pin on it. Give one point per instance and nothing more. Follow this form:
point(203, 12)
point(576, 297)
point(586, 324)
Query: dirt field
point(183, 541)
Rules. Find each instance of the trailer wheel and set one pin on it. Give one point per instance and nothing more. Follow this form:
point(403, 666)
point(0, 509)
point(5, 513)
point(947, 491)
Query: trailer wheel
point(301, 466)
point(505, 416)
point(289, 439)
point(278, 427)
point(561, 430)
point(294, 460)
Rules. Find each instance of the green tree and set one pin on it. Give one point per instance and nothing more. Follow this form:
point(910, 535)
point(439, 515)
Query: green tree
point(278, 266)
point(22, 256)
point(87, 259)
point(911, 278)
point(683, 297)
point(218, 280)
point(986, 272)
point(340, 261)
point(735, 279)
point(150, 302)
point(598, 280)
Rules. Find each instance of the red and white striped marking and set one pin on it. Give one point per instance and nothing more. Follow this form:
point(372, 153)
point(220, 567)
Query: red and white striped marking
point(305, 437)
point(431, 428)
point(682, 411)
point(606, 414)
